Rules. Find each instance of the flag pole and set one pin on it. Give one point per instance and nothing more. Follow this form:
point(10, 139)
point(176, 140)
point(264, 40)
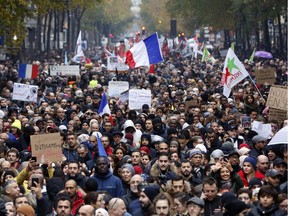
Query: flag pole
point(255, 86)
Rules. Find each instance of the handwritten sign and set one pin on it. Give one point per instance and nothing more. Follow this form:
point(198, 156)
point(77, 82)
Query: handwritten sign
point(114, 62)
point(46, 147)
point(63, 70)
point(279, 115)
point(265, 75)
point(24, 92)
point(138, 97)
point(277, 98)
point(115, 88)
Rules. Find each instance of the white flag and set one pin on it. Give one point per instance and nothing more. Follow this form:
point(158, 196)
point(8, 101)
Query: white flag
point(233, 72)
point(79, 52)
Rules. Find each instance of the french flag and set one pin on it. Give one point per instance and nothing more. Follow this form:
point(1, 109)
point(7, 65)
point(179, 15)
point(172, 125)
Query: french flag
point(144, 53)
point(28, 71)
point(104, 107)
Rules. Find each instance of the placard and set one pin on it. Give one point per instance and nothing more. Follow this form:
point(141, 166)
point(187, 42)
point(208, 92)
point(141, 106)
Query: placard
point(62, 70)
point(24, 92)
point(279, 115)
point(115, 88)
point(277, 98)
point(265, 75)
point(114, 62)
point(46, 147)
point(138, 97)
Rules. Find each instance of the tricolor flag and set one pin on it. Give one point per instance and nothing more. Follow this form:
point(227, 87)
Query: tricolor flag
point(144, 53)
point(28, 71)
point(233, 72)
point(104, 107)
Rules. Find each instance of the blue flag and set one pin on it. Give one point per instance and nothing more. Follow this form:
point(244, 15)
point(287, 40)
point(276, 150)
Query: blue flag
point(101, 150)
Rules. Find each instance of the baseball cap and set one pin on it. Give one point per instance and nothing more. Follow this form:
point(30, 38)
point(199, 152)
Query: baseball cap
point(258, 138)
point(197, 201)
point(272, 173)
point(279, 161)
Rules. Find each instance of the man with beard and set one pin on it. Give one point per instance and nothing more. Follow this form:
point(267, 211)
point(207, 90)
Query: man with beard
point(74, 174)
point(146, 196)
point(106, 180)
point(75, 195)
point(186, 172)
point(63, 206)
point(162, 205)
point(262, 167)
point(132, 195)
point(158, 128)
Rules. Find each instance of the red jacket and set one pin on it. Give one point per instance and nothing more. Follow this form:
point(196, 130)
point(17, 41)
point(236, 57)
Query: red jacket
point(243, 177)
point(77, 201)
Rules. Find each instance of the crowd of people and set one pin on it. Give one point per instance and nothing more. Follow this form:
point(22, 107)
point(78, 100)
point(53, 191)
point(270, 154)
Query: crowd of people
point(191, 152)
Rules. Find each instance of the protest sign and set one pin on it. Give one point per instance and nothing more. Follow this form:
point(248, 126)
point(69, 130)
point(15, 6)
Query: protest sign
point(115, 88)
point(138, 97)
point(264, 130)
point(277, 98)
point(113, 63)
point(46, 147)
point(24, 92)
point(265, 75)
point(62, 70)
point(276, 114)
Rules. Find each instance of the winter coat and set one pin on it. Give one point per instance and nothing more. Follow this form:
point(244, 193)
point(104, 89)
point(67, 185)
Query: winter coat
point(110, 183)
point(274, 210)
point(136, 134)
point(161, 178)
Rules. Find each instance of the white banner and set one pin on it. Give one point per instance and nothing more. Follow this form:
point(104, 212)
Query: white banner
point(138, 97)
point(64, 70)
point(24, 92)
point(115, 88)
point(114, 62)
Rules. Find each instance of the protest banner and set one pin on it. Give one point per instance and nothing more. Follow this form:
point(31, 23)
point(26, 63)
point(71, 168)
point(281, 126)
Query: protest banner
point(277, 98)
point(113, 63)
point(276, 114)
point(46, 147)
point(265, 75)
point(138, 97)
point(115, 88)
point(62, 70)
point(24, 92)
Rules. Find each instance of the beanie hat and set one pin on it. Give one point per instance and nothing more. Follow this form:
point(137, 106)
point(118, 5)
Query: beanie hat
point(217, 154)
point(243, 145)
point(236, 206)
point(145, 149)
point(157, 120)
point(171, 131)
point(27, 210)
point(201, 147)
point(129, 167)
point(227, 197)
point(138, 170)
point(151, 191)
point(91, 184)
point(9, 172)
point(254, 181)
point(146, 136)
point(16, 124)
point(2, 114)
point(252, 161)
point(126, 158)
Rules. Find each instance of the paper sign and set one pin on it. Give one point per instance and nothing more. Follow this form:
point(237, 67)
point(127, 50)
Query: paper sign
point(277, 98)
point(62, 70)
point(46, 147)
point(279, 115)
point(138, 97)
point(24, 92)
point(115, 88)
point(264, 130)
point(265, 75)
point(114, 62)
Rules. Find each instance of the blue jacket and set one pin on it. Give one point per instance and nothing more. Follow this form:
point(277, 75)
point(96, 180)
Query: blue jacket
point(110, 183)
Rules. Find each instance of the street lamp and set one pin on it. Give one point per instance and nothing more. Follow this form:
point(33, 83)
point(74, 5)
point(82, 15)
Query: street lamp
point(15, 37)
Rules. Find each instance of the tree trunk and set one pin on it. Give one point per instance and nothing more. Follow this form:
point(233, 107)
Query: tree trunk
point(267, 42)
point(49, 32)
point(44, 32)
point(38, 37)
point(281, 45)
point(68, 31)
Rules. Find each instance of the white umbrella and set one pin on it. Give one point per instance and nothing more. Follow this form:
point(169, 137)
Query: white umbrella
point(281, 137)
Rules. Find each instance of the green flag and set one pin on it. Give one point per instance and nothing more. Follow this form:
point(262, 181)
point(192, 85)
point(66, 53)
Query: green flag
point(252, 55)
point(207, 56)
point(232, 46)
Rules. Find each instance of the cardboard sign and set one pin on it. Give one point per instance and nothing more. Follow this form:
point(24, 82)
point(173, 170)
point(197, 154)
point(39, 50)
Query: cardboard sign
point(279, 115)
point(116, 88)
point(114, 62)
point(63, 70)
point(138, 97)
point(24, 92)
point(277, 98)
point(46, 147)
point(265, 75)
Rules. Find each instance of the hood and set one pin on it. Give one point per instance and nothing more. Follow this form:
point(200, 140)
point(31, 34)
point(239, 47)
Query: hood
point(104, 176)
point(129, 123)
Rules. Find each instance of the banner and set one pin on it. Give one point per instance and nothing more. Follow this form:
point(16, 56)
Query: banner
point(277, 98)
point(265, 75)
point(64, 70)
point(46, 147)
point(113, 63)
point(138, 97)
point(24, 92)
point(115, 88)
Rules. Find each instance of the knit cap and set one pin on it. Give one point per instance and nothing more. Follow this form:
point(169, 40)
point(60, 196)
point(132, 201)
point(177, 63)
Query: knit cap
point(16, 124)
point(151, 191)
point(252, 161)
point(27, 210)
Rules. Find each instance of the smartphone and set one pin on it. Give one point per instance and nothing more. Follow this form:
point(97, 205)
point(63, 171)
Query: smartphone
point(35, 180)
point(34, 158)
